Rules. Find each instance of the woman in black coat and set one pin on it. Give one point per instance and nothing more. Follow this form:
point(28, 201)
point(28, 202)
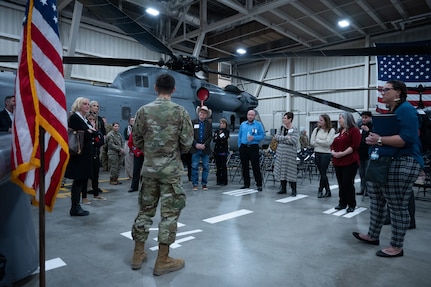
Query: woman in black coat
point(221, 151)
point(80, 167)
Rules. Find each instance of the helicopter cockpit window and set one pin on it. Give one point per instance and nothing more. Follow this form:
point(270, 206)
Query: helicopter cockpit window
point(126, 113)
point(141, 81)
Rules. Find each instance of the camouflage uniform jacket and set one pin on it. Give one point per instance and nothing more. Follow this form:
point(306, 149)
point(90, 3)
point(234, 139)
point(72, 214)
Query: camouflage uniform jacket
point(162, 130)
point(115, 142)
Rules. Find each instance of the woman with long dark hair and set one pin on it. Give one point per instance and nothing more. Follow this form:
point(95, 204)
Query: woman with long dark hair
point(321, 140)
point(406, 163)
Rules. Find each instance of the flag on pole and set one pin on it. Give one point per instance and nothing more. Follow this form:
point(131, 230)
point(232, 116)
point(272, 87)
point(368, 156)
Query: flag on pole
point(413, 70)
point(40, 102)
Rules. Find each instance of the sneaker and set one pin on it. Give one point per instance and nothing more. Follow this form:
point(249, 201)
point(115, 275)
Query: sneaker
point(420, 180)
point(99, 197)
point(204, 187)
point(195, 187)
point(86, 201)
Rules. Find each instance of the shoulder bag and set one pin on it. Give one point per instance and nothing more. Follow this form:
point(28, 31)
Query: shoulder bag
point(76, 141)
point(377, 170)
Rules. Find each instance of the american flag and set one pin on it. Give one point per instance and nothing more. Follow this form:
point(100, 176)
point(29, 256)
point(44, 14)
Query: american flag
point(40, 102)
point(414, 70)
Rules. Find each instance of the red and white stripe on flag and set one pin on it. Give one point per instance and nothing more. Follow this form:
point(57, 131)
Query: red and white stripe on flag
point(413, 70)
point(40, 102)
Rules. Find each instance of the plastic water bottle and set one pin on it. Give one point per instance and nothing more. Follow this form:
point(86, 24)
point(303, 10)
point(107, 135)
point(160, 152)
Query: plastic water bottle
point(375, 154)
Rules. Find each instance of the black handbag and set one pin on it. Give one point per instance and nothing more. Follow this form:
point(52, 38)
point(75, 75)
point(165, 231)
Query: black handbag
point(377, 170)
point(76, 141)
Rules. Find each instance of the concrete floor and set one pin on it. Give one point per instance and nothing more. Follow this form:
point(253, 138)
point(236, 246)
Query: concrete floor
point(228, 239)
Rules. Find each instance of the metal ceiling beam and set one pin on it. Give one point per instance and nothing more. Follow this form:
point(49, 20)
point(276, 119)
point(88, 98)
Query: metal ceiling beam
point(367, 8)
point(339, 13)
point(281, 31)
point(399, 8)
point(298, 25)
point(319, 20)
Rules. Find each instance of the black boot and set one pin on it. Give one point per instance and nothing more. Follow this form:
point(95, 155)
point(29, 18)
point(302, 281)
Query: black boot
point(76, 210)
point(319, 193)
point(283, 188)
point(293, 186)
point(328, 191)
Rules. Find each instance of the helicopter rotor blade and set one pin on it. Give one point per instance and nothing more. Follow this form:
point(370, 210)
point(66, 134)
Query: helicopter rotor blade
point(369, 51)
point(109, 12)
point(114, 62)
point(306, 96)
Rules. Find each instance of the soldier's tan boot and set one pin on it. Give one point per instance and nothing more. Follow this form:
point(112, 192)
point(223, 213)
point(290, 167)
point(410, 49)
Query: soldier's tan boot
point(164, 263)
point(112, 181)
point(139, 255)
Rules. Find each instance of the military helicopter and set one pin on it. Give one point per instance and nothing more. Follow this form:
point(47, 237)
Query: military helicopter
point(133, 88)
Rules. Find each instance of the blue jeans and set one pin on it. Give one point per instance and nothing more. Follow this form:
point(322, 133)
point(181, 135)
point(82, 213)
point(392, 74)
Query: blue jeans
point(196, 158)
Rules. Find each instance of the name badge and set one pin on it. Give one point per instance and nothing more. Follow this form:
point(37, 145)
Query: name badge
point(196, 126)
point(222, 135)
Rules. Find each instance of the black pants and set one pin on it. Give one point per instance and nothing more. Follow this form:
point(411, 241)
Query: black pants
point(137, 166)
point(95, 178)
point(221, 164)
point(322, 161)
point(78, 186)
point(346, 184)
point(250, 153)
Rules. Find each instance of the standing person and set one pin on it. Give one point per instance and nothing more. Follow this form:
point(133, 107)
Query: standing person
point(407, 161)
point(250, 134)
point(345, 159)
point(138, 161)
point(285, 166)
point(321, 140)
point(201, 148)
point(163, 130)
point(221, 151)
point(104, 148)
point(99, 126)
point(80, 167)
point(128, 156)
point(98, 140)
point(115, 144)
point(366, 127)
point(303, 139)
point(6, 116)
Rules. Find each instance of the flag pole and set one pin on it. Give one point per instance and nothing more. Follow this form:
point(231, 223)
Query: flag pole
point(42, 207)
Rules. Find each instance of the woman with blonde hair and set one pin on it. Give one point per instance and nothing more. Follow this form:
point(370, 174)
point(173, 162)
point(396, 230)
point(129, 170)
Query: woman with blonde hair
point(80, 167)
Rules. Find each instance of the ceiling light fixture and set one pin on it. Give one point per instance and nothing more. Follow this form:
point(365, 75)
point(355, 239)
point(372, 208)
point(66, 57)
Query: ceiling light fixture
point(343, 23)
point(152, 11)
point(241, 51)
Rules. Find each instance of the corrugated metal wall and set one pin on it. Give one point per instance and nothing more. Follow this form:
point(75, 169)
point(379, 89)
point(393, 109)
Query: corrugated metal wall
point(322, 77)
point(92, 41)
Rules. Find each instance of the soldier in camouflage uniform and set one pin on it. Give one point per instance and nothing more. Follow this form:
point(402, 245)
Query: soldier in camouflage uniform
point(163, 131)
point(115, 144)
point(104, 148)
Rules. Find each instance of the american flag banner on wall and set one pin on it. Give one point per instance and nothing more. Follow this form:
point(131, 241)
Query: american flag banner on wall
point(40, 102)
point(414, 70)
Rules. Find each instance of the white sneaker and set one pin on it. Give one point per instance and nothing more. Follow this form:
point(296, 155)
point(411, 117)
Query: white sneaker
point(420, 180)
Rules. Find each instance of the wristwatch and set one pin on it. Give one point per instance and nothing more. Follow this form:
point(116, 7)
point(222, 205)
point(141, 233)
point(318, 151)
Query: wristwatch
point(379, 141)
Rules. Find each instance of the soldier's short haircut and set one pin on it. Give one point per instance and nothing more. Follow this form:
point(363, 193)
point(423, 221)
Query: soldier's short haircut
point(165, 84)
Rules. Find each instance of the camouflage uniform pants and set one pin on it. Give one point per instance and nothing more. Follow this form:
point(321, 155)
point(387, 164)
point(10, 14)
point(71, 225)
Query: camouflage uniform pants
point(115, 160)
point(172, 200)
point(104, 158)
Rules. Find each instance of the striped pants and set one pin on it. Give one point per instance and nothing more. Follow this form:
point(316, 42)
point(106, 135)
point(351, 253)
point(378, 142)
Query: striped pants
point(403, 172)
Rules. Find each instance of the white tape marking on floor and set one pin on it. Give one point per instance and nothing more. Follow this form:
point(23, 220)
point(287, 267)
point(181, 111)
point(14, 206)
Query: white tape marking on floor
point(227, 216)
point(240, 192)
point(356, 212)
point(291, 198)
point(52, 264)
point(176, 244)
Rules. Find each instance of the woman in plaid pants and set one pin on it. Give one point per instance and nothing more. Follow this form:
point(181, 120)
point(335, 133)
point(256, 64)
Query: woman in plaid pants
point(404, 148)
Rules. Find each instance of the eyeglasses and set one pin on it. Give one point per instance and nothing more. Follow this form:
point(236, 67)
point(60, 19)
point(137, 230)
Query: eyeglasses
point(385, 90)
